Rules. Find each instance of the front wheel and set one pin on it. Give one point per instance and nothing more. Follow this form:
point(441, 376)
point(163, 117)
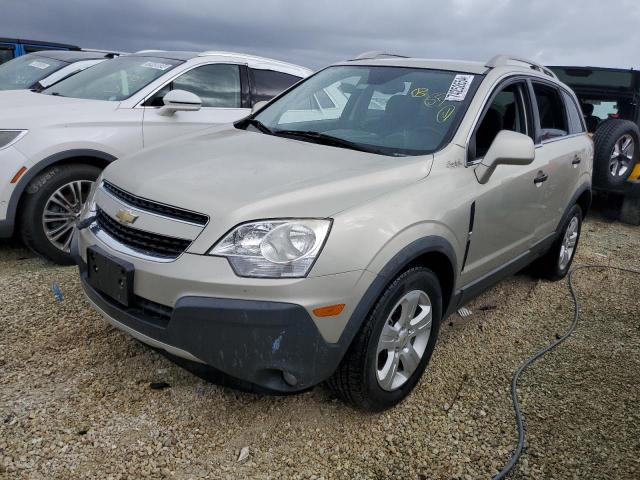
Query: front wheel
point(388, 356)
point(51, 207)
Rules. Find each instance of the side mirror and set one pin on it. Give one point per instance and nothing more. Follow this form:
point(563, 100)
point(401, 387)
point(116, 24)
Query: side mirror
point(179, 101)
point(508, 148)
point(258, 106)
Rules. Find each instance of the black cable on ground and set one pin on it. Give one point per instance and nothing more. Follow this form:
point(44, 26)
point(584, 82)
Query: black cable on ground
point(516, 376)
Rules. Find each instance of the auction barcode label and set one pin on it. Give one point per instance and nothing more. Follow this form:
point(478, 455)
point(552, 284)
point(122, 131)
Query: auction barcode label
point(459, 88)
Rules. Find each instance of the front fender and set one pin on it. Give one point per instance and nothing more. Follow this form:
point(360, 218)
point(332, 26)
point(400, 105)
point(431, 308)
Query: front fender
point(12, 208)
point(396, 264)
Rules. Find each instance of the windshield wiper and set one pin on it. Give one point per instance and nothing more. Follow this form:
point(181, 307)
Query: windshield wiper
point(325, 139)
point(259, 125)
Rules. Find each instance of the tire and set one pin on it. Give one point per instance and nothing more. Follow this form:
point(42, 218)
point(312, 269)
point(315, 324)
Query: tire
point(610, 169)
point(356, 381)
point(71, 179)
point(551, 266)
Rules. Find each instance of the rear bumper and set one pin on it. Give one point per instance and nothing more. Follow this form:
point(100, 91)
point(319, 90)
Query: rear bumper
point(275, 345)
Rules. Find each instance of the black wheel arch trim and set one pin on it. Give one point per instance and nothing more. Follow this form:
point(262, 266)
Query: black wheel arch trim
point(399, 262)
point(585, 187)
point(7, 225)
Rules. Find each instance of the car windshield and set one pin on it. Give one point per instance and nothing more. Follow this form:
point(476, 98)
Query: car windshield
point(23, 72)
point(394, 111)
point(114, 80)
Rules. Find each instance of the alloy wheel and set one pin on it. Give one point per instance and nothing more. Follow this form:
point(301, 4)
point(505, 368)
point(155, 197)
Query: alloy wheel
point(62, 210)
point(569, 241)
point(622, 157)
point(403, 340)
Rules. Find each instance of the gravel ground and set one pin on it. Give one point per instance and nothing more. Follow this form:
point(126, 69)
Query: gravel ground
point(76, 398)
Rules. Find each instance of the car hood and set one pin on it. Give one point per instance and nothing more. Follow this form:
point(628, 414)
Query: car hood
point(27, 109)
point(234, 175)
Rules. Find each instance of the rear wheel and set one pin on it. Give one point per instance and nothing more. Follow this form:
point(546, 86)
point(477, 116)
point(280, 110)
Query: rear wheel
point(389, 355)
point(557, 261)
point(51, 207)
point(617, 151)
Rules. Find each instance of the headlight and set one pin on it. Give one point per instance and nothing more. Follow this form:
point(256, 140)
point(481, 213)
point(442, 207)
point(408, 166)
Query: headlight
point(9, 137)
point(274, 248)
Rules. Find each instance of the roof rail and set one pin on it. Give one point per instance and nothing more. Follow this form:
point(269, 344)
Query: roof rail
point(377, 54)
point(107, 53)
point(149, 51)
point(500, 60)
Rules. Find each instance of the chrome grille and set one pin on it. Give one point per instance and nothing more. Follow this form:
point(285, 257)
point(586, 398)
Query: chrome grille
point(155, 207)
point(145, 242)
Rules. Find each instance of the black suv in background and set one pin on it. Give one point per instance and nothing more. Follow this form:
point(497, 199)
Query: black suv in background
point(609, 101)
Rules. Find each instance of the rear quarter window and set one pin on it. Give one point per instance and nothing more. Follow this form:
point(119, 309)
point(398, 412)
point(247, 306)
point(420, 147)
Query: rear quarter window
point(268, 83)
point(576, 123)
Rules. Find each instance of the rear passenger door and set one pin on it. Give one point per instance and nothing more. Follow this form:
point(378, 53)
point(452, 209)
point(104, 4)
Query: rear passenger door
point(219, 86)
point(561, 143)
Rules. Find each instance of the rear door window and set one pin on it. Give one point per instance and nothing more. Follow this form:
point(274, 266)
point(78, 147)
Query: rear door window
point(551, 112)
point(268, 83)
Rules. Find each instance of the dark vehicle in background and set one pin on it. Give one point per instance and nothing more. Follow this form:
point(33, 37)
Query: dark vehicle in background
point(609, 100)
point(37, 71)
point(11, 48)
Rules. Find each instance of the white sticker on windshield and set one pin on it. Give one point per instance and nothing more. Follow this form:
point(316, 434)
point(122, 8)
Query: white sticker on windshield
point(156, 66)
point(40, 65)
point(459, 88)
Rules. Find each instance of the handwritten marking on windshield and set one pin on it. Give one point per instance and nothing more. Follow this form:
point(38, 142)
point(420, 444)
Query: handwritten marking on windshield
point(419, 92)
point(445, 113)
point(434, 100)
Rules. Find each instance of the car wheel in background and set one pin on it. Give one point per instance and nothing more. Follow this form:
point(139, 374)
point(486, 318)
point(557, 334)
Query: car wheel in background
point(51, 206)
point(388, 356)
point(617, 150)
point(555, 264)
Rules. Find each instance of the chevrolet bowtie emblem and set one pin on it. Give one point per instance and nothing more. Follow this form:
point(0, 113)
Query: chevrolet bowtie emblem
point(126, 216)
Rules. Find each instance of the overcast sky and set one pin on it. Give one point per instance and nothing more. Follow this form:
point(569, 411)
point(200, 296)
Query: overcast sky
point(316, 33)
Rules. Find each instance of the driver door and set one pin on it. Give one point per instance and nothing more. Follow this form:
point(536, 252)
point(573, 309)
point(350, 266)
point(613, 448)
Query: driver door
point(508, 208)
point(218, 86)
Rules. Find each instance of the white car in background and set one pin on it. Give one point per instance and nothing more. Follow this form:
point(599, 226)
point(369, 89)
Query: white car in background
point(45, 68)
point(54, 144)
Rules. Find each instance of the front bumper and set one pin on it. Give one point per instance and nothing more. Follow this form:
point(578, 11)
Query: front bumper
point(271, 342)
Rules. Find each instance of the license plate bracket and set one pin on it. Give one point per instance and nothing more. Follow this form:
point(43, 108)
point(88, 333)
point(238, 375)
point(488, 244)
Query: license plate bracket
point(110, 275)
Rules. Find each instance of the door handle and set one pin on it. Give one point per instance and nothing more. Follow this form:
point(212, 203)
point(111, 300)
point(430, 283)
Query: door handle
point(576, 160)
point(540, 178)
